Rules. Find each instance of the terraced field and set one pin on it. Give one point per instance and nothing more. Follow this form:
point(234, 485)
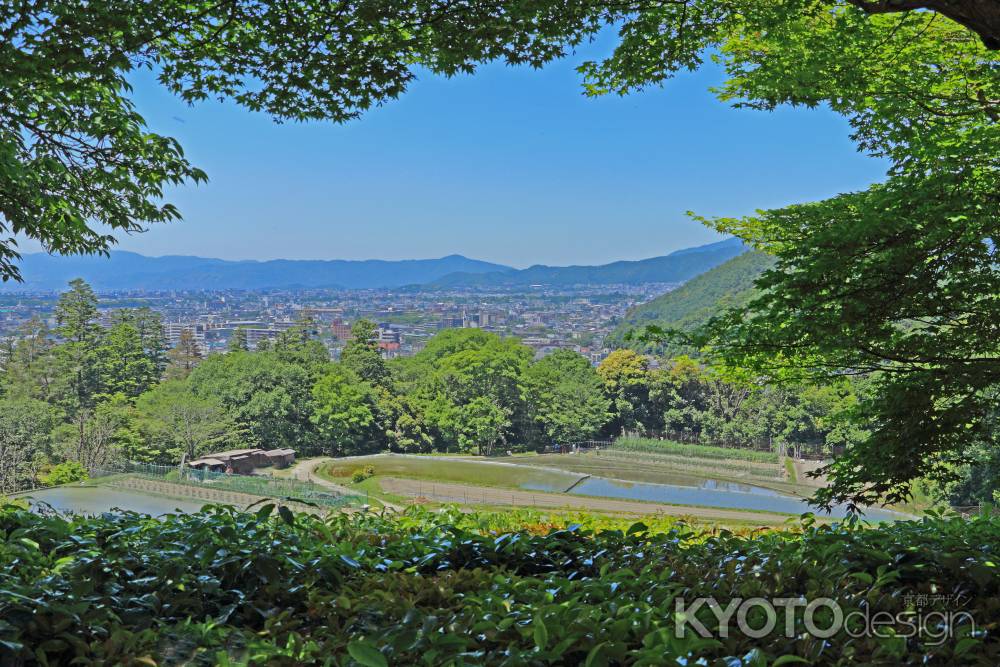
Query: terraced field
point(670, 469)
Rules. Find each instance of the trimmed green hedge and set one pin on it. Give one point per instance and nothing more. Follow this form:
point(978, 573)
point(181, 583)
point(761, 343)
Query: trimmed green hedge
point(224, 586)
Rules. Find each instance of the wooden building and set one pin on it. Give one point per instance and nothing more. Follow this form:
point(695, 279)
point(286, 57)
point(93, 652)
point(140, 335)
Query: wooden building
point(244, 461)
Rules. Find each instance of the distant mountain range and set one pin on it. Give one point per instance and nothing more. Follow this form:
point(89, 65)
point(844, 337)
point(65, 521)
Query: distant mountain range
point(676, 267)
point(131, 271)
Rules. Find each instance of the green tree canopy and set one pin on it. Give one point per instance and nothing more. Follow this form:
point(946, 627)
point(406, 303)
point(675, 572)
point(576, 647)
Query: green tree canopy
point(30, 368)
point(625, 374)
point(124, 364)
point(300, 345)
point(457, 367)
point(567, 397)
point(175, 422)
point(343, 411)
point(238, 341)
point(25, 438)
point(361, 354)
point(78, 384)
point(184, 356)
point(269, 399)
point(483, 424)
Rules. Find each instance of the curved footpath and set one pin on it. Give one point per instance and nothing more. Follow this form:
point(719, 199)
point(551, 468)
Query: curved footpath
point(306, 472)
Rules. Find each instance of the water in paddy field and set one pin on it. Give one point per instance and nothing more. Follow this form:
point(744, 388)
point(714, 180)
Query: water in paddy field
point(92, 500)
point(708, 493)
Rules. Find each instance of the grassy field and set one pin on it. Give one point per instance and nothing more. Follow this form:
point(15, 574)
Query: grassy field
point(436, 469)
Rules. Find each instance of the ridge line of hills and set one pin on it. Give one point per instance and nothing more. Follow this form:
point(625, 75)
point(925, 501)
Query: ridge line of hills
point(132, 271)
point(690, 306)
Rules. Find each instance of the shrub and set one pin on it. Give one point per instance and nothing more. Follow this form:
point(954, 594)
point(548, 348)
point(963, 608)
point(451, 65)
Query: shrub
point(65, 473)
point(361, 474)
point(669, 447)
point(14, 502)
point(444, 588)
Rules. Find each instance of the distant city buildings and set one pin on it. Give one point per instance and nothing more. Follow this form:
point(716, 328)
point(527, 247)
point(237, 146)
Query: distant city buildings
point(173, 331)
point(256, 335)
point(545, 318)
point(341, 330)
point(389, 341)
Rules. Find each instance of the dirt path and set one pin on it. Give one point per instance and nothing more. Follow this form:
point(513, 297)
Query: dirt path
point(802, 467)
point(306, 472)
point(479, 495)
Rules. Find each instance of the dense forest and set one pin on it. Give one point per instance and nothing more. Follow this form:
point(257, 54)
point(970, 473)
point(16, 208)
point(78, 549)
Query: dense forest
point(83, 395)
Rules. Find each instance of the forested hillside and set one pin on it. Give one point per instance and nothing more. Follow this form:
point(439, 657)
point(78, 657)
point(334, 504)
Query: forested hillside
point(694, 303)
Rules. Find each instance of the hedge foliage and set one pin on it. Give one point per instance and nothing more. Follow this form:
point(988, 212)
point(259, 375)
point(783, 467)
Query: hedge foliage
point(669, 447)
point(421, 588)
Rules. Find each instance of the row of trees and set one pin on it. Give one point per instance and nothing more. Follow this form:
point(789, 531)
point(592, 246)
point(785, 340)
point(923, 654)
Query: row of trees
point(83, 395)
point(65, 392)
point(92, 393)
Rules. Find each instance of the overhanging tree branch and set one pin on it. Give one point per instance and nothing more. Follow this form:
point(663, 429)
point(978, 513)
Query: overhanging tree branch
point(980, 16)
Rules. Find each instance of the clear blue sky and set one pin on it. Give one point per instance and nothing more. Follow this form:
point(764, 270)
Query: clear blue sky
point(507, 165)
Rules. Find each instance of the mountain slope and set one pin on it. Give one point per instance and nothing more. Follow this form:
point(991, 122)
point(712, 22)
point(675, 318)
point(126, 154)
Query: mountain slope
point(695, 302)
point(673, 268)
point(128, 270)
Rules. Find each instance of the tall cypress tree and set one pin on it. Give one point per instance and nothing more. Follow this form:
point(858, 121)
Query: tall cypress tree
point(185, 356)
point(78, 359)
point(238, 341)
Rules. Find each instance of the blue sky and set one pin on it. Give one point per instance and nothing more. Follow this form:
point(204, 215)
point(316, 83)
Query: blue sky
point(509, 165)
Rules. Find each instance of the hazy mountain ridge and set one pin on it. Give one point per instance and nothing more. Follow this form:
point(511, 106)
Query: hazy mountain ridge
point(676, 267)
point(131, 271)
point(128, 270)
